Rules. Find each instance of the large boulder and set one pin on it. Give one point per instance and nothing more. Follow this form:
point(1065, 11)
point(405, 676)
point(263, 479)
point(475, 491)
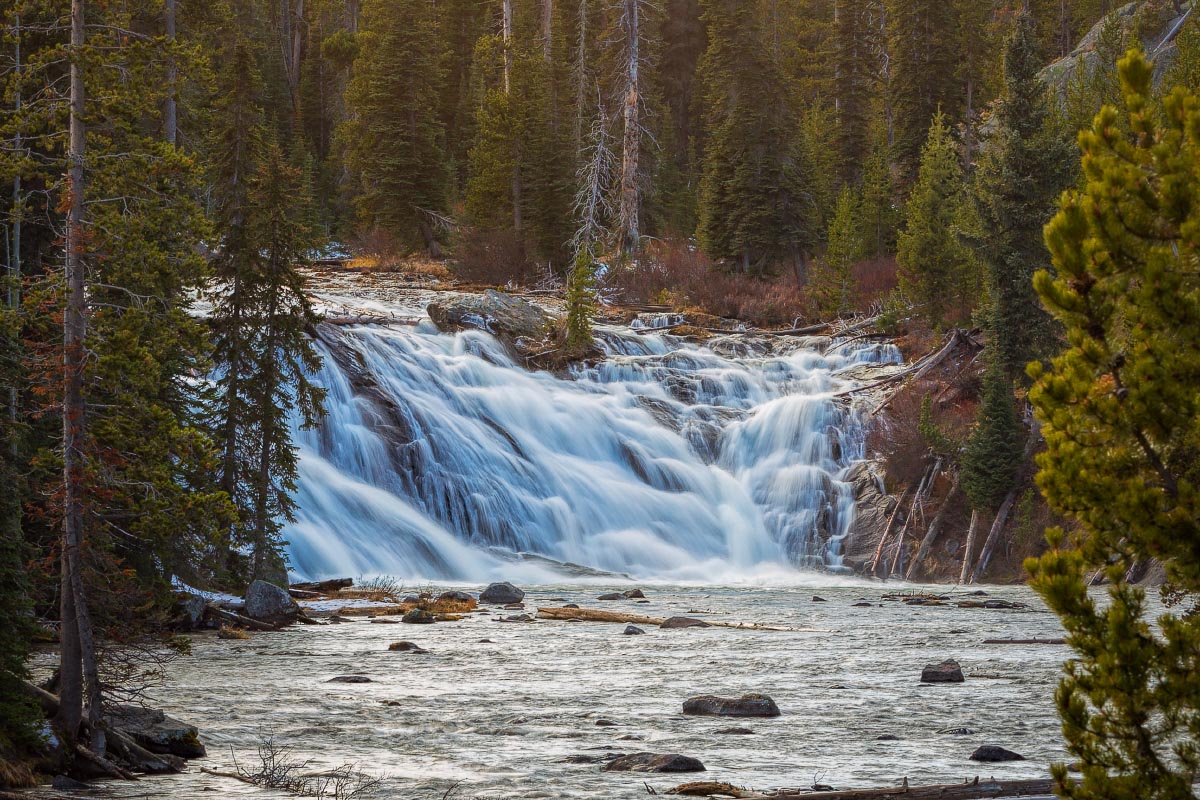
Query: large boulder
point(748, 705)
point(993, 754)
point(508, 318)
point(948, 671)
point(501, 594)
point(654, 762)
point(190, 608)
point(267, 602)
point(156, 732)
point(418, 616)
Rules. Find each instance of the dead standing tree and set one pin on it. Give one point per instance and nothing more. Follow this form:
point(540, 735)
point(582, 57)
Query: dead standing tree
point(631, 13)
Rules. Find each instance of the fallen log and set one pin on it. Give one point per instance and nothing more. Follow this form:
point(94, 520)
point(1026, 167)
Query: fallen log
point(597, 615)
point(711, 789)
point(873, 567)
point(931, 535)
point(238, 619)
point(1024, 641)
point(979, 789)
point(345, 320)
point(324, 587)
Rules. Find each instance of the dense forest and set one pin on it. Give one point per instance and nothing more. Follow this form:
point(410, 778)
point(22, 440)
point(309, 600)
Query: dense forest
point(771, 161)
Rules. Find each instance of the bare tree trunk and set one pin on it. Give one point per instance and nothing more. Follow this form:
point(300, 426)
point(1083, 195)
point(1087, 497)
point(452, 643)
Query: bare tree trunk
point(352, 16)
point(18, 212)
point(931, 535)
point(170, 109)
point(507, 32)
point(78, 670)
point(969, 126)
point(630, 197)
point(548, 30)
point(993, 535)
point(581, 77)
point(969, 553)
point(294, 74)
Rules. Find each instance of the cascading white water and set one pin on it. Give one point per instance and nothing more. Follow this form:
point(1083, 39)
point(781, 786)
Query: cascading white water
point(442, 459)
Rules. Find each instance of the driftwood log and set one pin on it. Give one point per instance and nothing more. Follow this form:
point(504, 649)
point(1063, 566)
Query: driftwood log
point(344, 320)
point(1024, 641)
point(972, 790)
point(238, 619)
point(597, 615)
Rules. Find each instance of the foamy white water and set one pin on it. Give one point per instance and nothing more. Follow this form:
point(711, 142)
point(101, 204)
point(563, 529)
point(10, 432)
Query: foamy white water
point(442, 459)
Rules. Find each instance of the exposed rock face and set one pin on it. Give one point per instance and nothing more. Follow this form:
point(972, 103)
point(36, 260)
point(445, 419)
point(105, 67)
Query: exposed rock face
point(872, 507)
point(501, 594)
point(991, 754)
point(748, 705)
point(511, 319)
point(158, 733)
point(268, 602)
point(948, 671)
point(654, 762)
point(684, 622)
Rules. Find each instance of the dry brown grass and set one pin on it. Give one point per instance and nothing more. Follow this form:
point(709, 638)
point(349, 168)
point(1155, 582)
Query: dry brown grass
point(232, 633)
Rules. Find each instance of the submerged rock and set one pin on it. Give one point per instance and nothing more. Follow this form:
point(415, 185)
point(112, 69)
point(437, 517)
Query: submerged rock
point(684, 622)
point(946, 672)
point(518, 618)
point(633, 594)
point(991, 753)
point(734, 732)
point(748, 705)
point(158, 733)
point(62, 783)
point(955, 732)
point(613, 596)
point(633, 630)
point(350, 679)
point(501, 594)
point(268, 602)
point(406, 647)
point(654, 762)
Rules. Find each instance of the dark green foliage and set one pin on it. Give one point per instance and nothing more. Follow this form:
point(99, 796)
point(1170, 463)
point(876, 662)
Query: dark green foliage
point(1119, 408)
point(856, 74)
point(994, 452)
point(1025, 167)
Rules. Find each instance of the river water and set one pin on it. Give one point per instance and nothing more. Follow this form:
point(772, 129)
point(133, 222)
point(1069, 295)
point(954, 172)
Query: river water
point(501, 716)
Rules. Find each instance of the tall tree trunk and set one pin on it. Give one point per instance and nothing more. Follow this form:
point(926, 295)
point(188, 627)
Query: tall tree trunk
point(507, 33)
point(989, 545)
point(262, 551)
point(969, 553)
point(581, 73)
point(548, 31)
point(14, 257)
point(170, 110)
point(78, 670)
point(630, 198)
point(506, 22)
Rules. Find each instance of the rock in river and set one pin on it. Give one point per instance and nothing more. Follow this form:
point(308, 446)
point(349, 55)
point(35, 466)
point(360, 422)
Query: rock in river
point(418, 616)
point(268, 602)
point(946, 672)
point(501, 594)
point(157, 732)
point(992, 753)
point(633, 630)
point(634, 594)
point(684, 622)
point(654, 762)
point(406, 647)
point(613, 596)
point(748, 705)
point(350, 679)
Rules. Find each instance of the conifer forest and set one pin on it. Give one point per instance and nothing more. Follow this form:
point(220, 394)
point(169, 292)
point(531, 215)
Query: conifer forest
point(828, 365)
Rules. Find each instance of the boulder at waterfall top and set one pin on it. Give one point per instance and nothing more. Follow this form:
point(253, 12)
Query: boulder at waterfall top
point(509, 318)
point(654, 762)
point(267, 602)
point(948, 671)
point(501, 594)
point(748, 705)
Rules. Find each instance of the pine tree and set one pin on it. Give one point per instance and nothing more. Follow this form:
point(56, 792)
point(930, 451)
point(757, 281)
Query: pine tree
point(753, 206)
point(856, 75)
point(924, 46)
point(394, 139)
point(1119, 408)
point(878, 205)
point(932, 259)
point(831, 281)
point(1025, 168)
point(994, 453)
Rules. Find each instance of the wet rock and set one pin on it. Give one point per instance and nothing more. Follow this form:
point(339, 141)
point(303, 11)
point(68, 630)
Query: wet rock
point(455, 597)
point(156, 732)
point(991, 754)
point(62, 783)
point(406, 647)
point(571, 605)
point(485, 641)
point(633, 630)
point(384, 621)
point(514, 606)
point(605, 723)
point(268, 602)
point(819, 599)
point(887, 737)
point(191, 609)
point(634, 594)
point(863, 604)
point(418, 616)
point(631, 737)
point(654, 762)
point(748, 705)
point(734, 732)
point(948, 671)
point(955, 732)
point(518, 618)
point(334, 619)
point(508, 318)
point(587, 758)
point(613, 596)
point(642, 602)
point(350, 679)
point(684, 622)
point(501, 594)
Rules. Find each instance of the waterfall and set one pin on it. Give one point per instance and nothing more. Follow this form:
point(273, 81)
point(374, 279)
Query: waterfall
point(441, 458)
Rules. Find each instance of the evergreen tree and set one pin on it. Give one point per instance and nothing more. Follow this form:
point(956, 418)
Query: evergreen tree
point(994, 453)
point(1025, 167)
point(830, 284)
point(856, 74)
point(753, 206)
point(878, 204)
point(1119, 409)
point(924, 46)
point(933, 261)
point(394, 139)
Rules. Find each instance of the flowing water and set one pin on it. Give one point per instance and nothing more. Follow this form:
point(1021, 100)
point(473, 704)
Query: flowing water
point(442, 459)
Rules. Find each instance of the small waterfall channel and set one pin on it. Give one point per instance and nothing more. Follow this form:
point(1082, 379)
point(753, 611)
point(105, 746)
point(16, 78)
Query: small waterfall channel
point(442, 459)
